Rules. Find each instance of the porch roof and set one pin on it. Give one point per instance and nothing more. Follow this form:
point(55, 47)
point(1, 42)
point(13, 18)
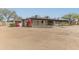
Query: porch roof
point(52, 19)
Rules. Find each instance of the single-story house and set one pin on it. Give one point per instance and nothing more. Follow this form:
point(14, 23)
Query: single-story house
point(44, 22)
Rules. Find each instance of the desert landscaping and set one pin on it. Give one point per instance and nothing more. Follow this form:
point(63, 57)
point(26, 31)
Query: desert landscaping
point(23, 38)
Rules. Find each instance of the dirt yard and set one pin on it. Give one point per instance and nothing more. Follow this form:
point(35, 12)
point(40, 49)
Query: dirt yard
point(56, 38)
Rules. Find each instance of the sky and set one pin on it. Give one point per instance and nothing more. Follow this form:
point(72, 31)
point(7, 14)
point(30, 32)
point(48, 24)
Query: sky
point(52, 12)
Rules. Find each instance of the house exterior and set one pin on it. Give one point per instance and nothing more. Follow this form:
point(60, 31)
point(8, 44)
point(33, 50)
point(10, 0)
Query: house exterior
point(40, 22)
point(44, 22)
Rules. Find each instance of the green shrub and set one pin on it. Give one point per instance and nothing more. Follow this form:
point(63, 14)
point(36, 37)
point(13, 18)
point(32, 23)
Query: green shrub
point(65, 24)
point(12, 25)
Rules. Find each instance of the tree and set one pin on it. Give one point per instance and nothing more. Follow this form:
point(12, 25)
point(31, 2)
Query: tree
point(13, 15)
point(71, 15)
point(47, 17)
point(1, 18)
point(7, 14)
point(36, 16)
